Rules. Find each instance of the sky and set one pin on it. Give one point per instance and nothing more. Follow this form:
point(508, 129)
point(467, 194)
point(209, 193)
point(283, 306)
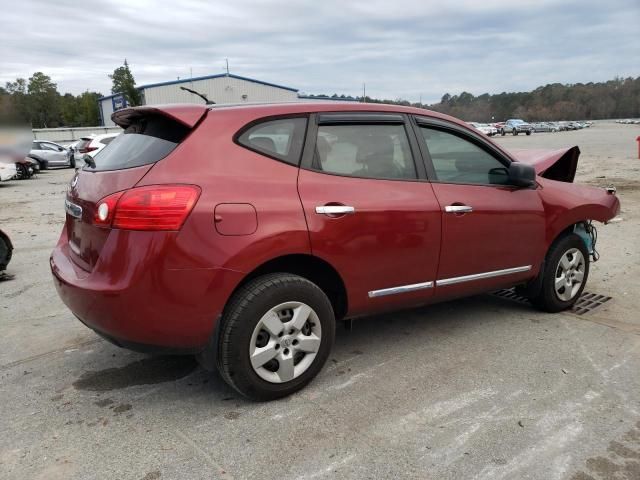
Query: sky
point(400, 49)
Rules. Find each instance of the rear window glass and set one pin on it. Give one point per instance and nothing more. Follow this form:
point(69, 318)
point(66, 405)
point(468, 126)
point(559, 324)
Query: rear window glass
point(107, 141)
point(84, 143)
point(146, 141)
point(282, 139)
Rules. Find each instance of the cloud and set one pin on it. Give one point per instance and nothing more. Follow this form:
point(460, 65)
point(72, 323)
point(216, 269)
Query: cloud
point(401, 49)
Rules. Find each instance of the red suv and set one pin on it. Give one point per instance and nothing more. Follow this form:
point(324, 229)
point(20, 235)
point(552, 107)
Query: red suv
point(243, 233)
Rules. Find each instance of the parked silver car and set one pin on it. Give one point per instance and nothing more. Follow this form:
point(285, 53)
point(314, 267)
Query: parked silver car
point(50, 154)
point(541, 127)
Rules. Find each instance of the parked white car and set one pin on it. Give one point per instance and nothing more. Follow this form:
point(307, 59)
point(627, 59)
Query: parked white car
point(484, 128)
point(91, 145)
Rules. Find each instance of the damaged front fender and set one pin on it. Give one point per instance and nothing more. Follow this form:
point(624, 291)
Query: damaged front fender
point(566, 205)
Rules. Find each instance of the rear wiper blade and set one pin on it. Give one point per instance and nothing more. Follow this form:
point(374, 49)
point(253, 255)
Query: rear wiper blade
point(201, 95)
point(88, 160)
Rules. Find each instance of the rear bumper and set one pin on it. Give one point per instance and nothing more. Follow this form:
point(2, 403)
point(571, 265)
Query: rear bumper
point(134, 301)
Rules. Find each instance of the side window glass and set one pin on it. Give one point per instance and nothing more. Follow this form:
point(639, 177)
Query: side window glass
point(282, 139)
point(369, 151)
point(457, 160)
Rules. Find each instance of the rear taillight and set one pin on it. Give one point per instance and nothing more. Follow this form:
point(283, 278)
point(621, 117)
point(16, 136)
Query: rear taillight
point(156, 207)
point(87, 149)
point(103, 216)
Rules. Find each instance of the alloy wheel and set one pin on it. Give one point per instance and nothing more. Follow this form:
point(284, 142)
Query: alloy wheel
point(569, 274)
point(285, 342)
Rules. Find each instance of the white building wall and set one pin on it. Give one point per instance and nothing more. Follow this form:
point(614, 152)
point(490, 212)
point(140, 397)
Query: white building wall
point(220, 90)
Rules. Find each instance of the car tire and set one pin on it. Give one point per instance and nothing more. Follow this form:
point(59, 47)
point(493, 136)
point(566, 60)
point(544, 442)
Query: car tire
point(262, 320)
point(72, 162)
point(514, 132)
point(5, 252)
point(528, 132)
point(568, 255)
point(22, 172)
point(502, 132)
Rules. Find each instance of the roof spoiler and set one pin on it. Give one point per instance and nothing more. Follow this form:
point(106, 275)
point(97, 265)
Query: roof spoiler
point(188, 115)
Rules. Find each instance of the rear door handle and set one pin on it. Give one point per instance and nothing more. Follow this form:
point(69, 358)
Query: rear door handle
point(335, 210)
point(458, 209)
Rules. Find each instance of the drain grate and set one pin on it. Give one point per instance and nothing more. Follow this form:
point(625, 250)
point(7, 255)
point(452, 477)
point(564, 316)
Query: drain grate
point(588, 302)
point(585, 304)
point(510, 294)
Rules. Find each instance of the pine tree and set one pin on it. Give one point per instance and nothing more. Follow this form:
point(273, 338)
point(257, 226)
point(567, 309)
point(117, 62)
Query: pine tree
point(123, 82)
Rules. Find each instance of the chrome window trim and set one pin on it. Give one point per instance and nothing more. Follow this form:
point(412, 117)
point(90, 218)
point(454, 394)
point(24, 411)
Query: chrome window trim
point(401, 289)
point(481, 276)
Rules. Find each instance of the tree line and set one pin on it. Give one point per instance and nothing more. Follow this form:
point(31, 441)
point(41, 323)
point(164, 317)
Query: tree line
point(617, 98)
point(37, 102)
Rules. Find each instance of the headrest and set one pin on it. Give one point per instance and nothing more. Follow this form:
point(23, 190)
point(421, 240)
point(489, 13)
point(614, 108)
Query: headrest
point(264, 143)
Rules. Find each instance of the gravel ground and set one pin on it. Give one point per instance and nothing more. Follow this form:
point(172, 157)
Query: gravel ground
point(481, 388)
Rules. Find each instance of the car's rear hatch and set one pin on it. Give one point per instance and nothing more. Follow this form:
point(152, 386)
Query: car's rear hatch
point(150, 134)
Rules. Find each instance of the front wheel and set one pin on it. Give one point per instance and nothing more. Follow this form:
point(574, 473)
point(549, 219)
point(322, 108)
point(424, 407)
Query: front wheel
point(565, 274)
point(528, 132)
point(22, 172)
point(502, 132)
point(276, 335)
point(515, 132)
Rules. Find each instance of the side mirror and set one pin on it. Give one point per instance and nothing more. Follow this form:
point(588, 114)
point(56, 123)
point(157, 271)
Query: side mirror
point(522, 175)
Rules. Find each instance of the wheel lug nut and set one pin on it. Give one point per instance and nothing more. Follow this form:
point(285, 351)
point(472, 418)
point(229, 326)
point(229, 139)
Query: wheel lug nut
point(277, 347)
point(292, 331)
point(286, 351)
point(295, 342)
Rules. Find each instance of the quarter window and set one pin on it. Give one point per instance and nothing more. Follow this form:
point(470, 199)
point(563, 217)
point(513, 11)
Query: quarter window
point(369, 151)
point(282, 139)
point(48, 146)
point(457, 160)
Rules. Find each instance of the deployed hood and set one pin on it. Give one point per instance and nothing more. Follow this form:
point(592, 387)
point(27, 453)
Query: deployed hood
point(558, 164)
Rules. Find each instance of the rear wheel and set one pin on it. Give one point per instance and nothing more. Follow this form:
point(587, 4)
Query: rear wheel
point(276, 335)
point(564, 276)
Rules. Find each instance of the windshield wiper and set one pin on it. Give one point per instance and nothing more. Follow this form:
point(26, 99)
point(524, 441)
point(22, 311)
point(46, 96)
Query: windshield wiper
point(88, 160)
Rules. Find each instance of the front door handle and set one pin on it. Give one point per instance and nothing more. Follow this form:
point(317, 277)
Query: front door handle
point(458, 209)
point(334, 210)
